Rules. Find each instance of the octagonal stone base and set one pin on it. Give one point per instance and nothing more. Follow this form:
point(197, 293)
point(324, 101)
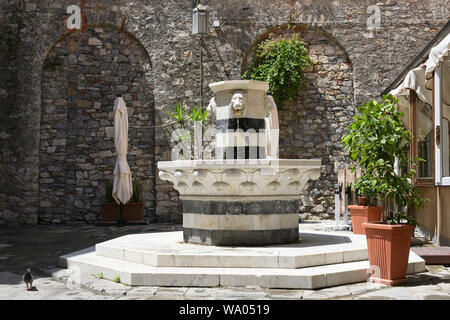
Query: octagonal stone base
point(321, 259)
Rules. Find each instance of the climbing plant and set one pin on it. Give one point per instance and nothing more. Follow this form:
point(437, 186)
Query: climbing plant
point(281, 63)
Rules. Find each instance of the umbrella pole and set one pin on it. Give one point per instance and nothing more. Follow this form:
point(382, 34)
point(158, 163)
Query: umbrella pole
point(121, 221)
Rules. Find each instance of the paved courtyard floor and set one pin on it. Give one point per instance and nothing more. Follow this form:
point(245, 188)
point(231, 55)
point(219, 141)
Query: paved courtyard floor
point(39, 247)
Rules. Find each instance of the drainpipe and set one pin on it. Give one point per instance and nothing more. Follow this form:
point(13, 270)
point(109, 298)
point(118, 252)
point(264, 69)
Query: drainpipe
point(438, 213)
point(437, 104)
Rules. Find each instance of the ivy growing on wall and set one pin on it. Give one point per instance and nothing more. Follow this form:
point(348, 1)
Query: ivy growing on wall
point(281, 63)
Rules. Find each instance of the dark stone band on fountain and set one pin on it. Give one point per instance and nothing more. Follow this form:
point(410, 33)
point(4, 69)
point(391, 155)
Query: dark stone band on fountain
point(244, 152)
point(241, 207)
point(240, 237)
point(244, 124)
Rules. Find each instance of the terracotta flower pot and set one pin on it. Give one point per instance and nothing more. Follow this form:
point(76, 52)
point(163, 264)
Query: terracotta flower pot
point(388, 247)
point(132, 211)
point(362, 214)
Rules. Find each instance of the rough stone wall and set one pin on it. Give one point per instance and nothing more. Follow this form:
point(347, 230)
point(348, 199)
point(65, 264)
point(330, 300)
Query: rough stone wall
point(9, 41)
point(82, 76)
point(163, 28)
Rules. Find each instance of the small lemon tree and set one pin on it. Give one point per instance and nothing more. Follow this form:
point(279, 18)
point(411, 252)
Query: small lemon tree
point(375, 139)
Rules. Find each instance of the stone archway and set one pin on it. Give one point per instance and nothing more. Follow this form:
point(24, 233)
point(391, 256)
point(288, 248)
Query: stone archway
point(82, 75)
point(312, 126)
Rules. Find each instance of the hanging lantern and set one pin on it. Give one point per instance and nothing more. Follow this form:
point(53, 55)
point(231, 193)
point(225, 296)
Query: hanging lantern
point(200, 20)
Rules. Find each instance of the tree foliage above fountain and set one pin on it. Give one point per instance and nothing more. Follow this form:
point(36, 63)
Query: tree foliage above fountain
point(281, 63)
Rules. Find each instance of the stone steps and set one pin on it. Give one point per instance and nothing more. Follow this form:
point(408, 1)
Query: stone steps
point(167, 252)
point(320, 259)
point(133, 273)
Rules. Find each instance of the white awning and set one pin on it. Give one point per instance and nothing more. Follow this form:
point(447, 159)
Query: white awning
point(415, 80)
point(436, 56)
point(420, 79)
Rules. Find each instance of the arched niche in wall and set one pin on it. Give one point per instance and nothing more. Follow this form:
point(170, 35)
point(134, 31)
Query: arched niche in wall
point(83, 73)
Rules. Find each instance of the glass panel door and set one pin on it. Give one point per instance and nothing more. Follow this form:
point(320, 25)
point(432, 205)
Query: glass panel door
point(445, 113)
point(425, 139)
point(442, 116)
point(445, 146)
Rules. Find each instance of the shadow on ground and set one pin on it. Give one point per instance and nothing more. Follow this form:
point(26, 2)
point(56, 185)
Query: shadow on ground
point(426, 278)
point(39, 246)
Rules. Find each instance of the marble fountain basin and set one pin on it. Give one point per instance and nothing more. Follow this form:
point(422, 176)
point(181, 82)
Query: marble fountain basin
point(240, 201)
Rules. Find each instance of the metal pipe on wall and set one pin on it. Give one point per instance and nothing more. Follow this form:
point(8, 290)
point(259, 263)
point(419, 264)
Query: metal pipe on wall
point(438, 213)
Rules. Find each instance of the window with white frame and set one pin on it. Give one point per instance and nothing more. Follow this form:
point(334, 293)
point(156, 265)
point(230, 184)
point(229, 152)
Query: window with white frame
point(422, 139)
point(425, 139)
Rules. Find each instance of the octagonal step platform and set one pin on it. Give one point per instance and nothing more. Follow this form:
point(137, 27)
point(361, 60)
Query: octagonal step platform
point(320, 259)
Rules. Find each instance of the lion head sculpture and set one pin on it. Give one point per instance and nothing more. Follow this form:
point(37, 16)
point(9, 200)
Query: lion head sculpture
point(237, 103)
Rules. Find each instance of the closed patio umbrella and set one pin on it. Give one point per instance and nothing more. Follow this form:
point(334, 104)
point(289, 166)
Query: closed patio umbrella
point(122, 186)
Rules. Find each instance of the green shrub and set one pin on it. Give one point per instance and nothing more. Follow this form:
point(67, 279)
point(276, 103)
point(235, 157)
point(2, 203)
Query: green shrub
point(281, 63)
point(182, 125)
point(137, 192)
point(197, 114)
point(375, 139)
point(108, 196)
point(179, 114)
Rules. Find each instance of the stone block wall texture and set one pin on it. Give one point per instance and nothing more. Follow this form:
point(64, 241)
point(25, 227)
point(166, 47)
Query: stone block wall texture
point(82, 76)
point(57, 88)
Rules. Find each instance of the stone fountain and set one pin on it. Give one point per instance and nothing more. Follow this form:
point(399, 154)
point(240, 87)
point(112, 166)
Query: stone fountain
point(243, 202)
point(241, 197)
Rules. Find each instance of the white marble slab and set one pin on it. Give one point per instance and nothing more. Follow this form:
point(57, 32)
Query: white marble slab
point(168, 250)
point(303, 278)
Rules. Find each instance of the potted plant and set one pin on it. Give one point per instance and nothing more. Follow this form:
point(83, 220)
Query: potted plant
point(357, 141)
point(133, 210)
point(184, 124)
point(376, 139)
point(367, 210)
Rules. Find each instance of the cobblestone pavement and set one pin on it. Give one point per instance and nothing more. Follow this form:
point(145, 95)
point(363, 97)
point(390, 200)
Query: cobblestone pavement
point(40, 246)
